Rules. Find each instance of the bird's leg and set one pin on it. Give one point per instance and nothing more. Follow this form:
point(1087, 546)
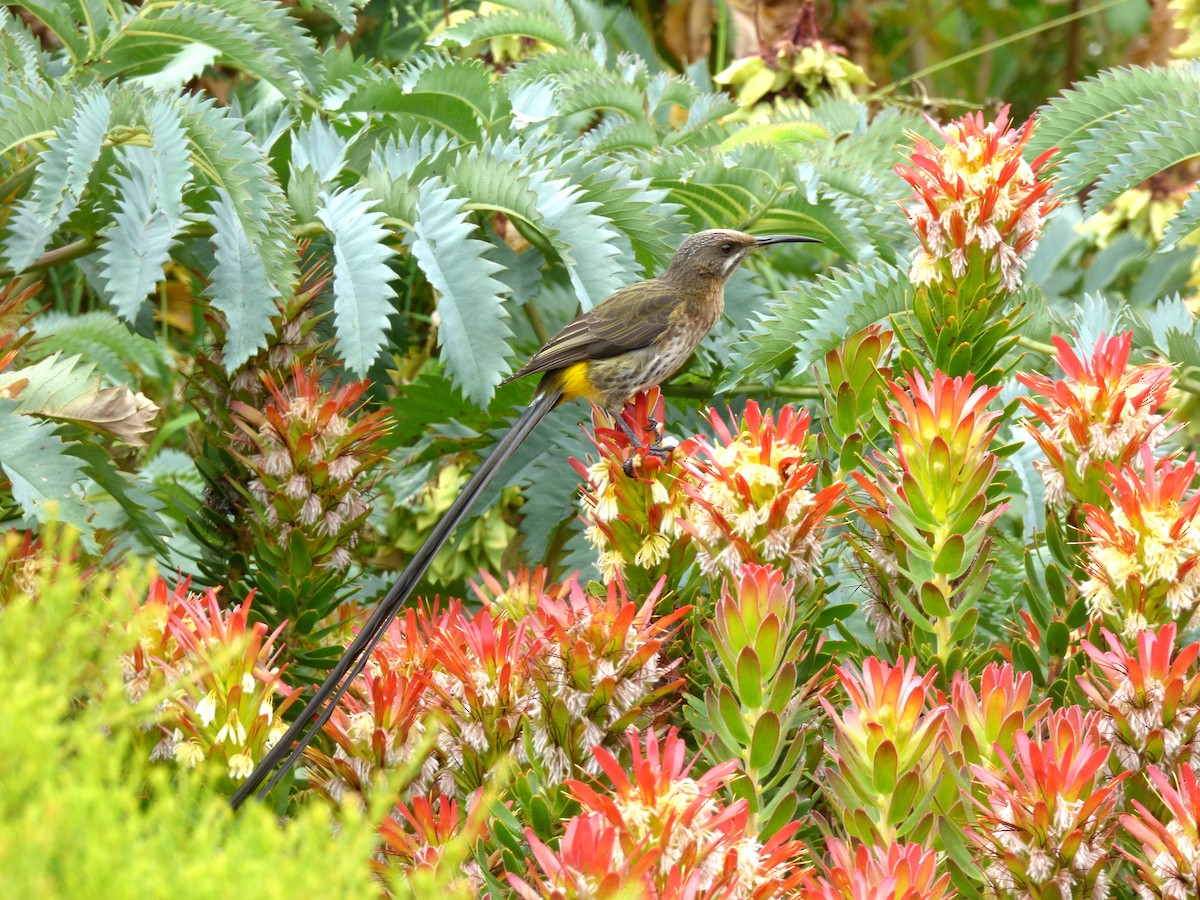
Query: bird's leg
point(655, 449)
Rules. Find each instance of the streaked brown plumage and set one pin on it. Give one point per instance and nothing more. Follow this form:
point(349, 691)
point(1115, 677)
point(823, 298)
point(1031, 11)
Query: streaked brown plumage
point(637, 338)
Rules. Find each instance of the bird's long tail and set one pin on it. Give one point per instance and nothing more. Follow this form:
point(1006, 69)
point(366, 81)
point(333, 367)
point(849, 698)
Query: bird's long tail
point(359, 650)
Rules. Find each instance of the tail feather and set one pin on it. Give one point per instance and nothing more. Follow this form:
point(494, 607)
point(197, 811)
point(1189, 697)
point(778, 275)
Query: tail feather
point(358, 652)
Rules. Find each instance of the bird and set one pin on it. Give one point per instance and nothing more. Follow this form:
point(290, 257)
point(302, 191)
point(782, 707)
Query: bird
point(634, 340)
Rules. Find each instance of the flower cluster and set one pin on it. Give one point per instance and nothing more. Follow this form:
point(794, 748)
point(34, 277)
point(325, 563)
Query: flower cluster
point(311, 460)
point(380, 723)
point(1143, 557)
point(1047, 825)
point(599, 669)
point(663, 830)
point(634, 501)
point(1168, 867)
point(767, 676)
point(218, 673)
point(1150, 702)
point(885, 751)
point(428, 837)
point(984, 724)
point(1101, 411)
point(976, 201)
point(570, 675)
point(752, 500)
point(891, 872)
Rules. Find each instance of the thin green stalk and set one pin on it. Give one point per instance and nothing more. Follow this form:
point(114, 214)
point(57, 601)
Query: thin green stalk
point(987, 48)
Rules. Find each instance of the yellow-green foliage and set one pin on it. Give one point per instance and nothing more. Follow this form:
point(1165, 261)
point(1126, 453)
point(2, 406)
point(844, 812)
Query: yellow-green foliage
point(83, 815)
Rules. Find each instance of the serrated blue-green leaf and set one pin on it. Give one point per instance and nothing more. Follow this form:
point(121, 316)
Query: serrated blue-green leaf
point(467, 80)
point(361, 291)
point(341, 11)
point(473, 334)
point(20, 52)
point(43, 477)
point(807, 322)
point(172, 169)
point(238, 287)
point(56, 17)
point(1068, 118)
point(148, 40)
point(187, 63)
point(1185, 221)
point(225, 156)
point(102, 338)
point(51, 383)
point(138, 245)
point(30, 113)
point(504, 24)
point(63, 172)
point(1163, 139)
point(591, 249)
point(317, 146)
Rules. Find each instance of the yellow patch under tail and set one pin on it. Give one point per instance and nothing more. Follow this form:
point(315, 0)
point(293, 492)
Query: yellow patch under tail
point(574, 382)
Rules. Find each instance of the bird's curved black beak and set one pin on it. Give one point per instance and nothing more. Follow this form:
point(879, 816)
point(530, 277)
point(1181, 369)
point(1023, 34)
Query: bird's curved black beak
point(769, 239)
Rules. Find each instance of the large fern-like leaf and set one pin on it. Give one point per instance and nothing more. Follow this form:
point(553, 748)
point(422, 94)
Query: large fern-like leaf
point(56, 16)
point(20, 52)
point(538, 26)
point(226, 157)
point(139, 244)
point(1068, 119)
point(1185, 222)
point(42, 475)
point(1166, 142)
point(362, 293)
point(63, 173)
point(239, 288)
point(474, 334)
point(807, 322)
point(100, 337)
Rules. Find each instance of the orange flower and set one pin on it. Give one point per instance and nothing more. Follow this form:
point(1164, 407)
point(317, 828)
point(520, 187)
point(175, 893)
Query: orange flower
point(1048, 819)
point(751, 497)
point(1102, 411)
point(1143, 557)
point(976, 197)
point(892, 872)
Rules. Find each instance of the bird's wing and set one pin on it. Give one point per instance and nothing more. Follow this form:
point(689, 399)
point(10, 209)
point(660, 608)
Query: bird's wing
point(628, 320)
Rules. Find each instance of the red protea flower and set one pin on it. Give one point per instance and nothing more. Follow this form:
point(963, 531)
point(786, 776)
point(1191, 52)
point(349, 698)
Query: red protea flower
point(482, 680)
point(1048, 821)
point(1102, 411)
point(419, 837)
point(984, 724)
point(928, 507)
point(312, 457)
point(634, 501)
point(1149, 701)
point(380, 722)
point(598, 669)
point(751, 500)
point(885, 749)
point(663, 830)
point(891, 872)
point(520, 592)
point(223, 673)
point(1142, 557)
point(976, 198)
point(1168, 868)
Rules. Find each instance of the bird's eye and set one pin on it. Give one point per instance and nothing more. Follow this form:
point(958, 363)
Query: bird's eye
point(727, 248)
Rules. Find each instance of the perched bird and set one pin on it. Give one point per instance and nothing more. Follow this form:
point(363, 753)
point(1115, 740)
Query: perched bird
point(636, 339)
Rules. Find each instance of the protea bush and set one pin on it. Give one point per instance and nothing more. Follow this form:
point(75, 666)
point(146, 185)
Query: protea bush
point(218, 677)
point(754, 498)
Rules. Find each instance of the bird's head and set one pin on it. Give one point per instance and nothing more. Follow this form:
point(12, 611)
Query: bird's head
point(713, 255)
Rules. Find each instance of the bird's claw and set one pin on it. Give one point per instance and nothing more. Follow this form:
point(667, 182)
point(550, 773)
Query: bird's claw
point(661, 450)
